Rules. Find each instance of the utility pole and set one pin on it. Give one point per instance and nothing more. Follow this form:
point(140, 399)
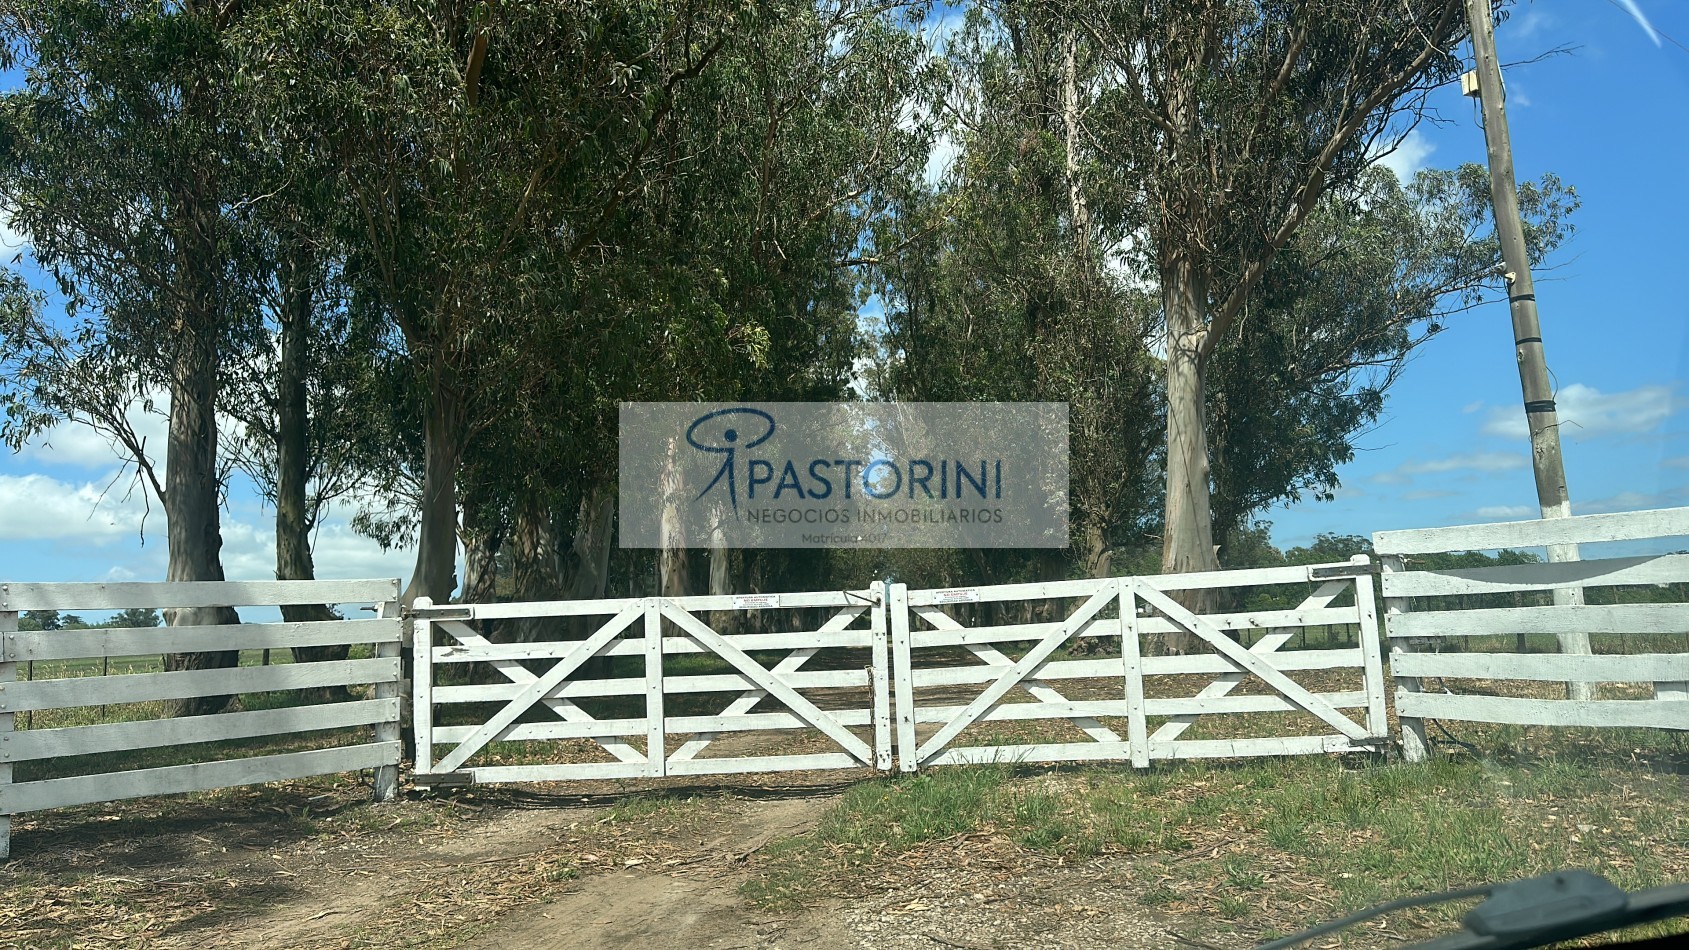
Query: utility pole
point(1540, 413)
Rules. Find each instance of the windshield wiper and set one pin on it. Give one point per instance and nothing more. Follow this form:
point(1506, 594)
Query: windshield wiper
point(1534, 912)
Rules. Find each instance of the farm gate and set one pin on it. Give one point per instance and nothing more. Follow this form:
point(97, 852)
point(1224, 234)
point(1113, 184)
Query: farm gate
point(657, 686)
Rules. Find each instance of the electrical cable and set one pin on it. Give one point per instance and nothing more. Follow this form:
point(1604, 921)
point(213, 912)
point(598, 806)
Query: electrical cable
point(1378, 910)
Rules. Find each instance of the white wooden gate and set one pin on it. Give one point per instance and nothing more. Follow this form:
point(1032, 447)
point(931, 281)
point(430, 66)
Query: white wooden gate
point(646, 687)
point(1114, 702)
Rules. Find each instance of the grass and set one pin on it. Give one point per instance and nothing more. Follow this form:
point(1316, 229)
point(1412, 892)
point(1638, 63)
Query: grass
point(1224, 841)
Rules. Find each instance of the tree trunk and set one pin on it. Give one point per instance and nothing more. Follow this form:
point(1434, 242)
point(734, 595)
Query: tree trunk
point(190, 504)
point(536, 571)
point(1188, 531)
point(294, 518)
point(672, 571)
point(435, 574)
point(481, 544)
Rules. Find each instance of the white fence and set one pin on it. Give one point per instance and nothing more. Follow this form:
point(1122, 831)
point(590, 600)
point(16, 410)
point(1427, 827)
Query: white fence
point(58, 698)
point(645, 687)
point(1434, 639)
point(1086, 665)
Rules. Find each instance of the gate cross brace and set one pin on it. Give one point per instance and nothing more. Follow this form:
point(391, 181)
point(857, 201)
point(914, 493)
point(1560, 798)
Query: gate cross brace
point(528, 695)
point(757, 673)
point(1226, 682)
point(995, 657)
point(1245, 660)
point(1033, 659)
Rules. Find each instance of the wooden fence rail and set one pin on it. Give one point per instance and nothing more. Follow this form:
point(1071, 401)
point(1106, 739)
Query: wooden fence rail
point(1418, 635)
point(210, 766)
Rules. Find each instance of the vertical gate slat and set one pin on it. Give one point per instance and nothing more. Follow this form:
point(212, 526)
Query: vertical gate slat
point(1372, 660)
point(655, 756)
point(386, 785)
point(1415, 747)
point(1137, 726)
point(901, 662)
point(8, 674)
point(880, 677)
point(422, 689)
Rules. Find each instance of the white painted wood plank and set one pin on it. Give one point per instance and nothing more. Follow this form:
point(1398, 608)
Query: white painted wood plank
point(1282, 660)
point(881, 658)
point(1043, 752)
point(1545, 712)
point(1677, 691)
point(1031, 684)
point(556, 649)
point(767, 763)
point(1117, 708)
point(985, 673)
point(1372, 664)
point(1588, 618)
point(1565, 575)
point(151, 733)
point(655, 753)
point(776, 686)
point(1603, 668)
point(903, 677)
point(1229, 680)
point(628, 686)
point(526, 696)
point(385, 786)
point(1246, 748)
point(1415, 746)
point(1197, 580)
point(142, 687)
point(548, 731)
point(756, 721)
point(422, 691)
point(8, 674)
point(1024, 667)
point(575, 772)
point(1132, 673)
point(518, 675)
point(138, 641)
point(610, 606)
point(1250, 662)
point(950, 632)
point(15, 595)
point(1578, 529)
point(195, 777)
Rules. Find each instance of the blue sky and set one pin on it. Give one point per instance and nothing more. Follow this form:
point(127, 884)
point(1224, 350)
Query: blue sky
point(1612, 119)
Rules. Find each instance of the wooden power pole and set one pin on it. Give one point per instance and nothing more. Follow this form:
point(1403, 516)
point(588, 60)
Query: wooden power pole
point(1540, 413)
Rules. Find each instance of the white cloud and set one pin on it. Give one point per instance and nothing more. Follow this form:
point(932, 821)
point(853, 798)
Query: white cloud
point(1587, 412)
point(1507, 512)
point(1465, 462)
point(1678, 463)
point(1472, 407)
point(1408, 157)
point(1427, 494)
point(249, 553)
point(11, 239)
point(40, 508)
point(1633, 501)
point(70, 443)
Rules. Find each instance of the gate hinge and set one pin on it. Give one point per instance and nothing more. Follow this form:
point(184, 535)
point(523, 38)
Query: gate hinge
point(444, 613)
point(444, 779)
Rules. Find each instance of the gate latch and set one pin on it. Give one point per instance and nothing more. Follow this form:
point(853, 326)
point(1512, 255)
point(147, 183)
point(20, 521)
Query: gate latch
point(445, 779)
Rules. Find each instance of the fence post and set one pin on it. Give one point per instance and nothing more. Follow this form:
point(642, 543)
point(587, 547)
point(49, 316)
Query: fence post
point(387, 776)
point(1137, 726)
point(904, 677)
point(880, 674)
point(8, 674)
point(422, 688)
point(1372, 659)
point(656, 756)
point(1415, 748)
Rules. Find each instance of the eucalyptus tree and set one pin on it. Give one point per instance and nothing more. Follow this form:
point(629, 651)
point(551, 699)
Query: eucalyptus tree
point(1010, 287)
point(118, 159)
point(1377, 270)
point(1234, 119)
